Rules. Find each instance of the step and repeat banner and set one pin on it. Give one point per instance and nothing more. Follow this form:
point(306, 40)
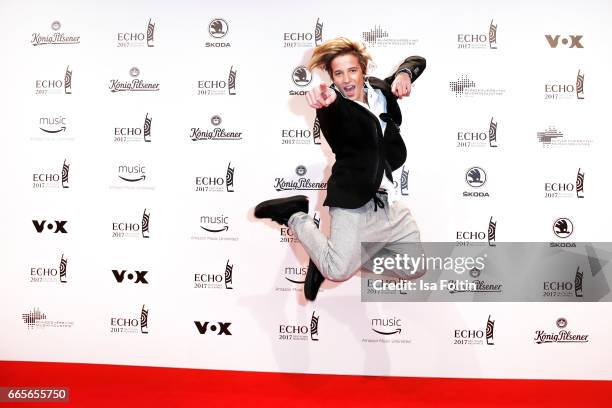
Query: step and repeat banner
point(138, 136)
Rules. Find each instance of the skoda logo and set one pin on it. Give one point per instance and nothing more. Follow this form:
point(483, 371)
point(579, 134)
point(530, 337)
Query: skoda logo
point(476, 177)
point(563, 227)
point(217, 28)
point(301, 76)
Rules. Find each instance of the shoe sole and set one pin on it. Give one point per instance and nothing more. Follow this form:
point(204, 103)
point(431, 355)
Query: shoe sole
point(311, 283)
point(264, 205)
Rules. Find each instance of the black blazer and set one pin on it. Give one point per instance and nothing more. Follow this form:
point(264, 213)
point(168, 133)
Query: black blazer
point(355, 136)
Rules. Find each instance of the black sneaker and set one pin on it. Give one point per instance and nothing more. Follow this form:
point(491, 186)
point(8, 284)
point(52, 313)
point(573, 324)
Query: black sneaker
point(281, 209)
point(313, 281)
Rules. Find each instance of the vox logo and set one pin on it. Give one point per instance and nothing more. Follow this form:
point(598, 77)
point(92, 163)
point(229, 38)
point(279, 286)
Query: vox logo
point(56, 226)
point(135, 277)
point(220, 327)
point(570, 41)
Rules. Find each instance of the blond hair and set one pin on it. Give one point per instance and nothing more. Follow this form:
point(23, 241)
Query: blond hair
point(323, 55)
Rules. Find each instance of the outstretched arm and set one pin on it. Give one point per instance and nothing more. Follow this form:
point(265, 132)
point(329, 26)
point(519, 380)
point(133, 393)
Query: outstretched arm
point(320, 96)
point(408, 72)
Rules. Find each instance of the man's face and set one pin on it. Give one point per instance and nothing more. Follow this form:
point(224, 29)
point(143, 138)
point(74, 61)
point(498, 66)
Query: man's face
point(348, 76)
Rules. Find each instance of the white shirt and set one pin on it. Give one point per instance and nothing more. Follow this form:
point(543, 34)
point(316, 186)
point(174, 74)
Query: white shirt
point(377, 104)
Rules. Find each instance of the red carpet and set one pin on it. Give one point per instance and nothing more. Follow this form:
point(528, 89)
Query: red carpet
point(93, 385)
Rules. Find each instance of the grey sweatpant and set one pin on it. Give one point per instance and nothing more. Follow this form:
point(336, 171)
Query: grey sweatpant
point(341, 256)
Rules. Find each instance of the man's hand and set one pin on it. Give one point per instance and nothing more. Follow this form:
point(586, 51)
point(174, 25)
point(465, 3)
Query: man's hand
point(402, 85)
point(320, 96)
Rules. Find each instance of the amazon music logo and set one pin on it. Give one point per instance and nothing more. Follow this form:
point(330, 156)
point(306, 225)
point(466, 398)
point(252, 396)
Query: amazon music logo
point(52, 128)
point(215, 227)
point(54, 86)
point(135, 276)
point(217, 132)
point(50, 226)
point(132, 228)
point(49, 179)
point(471, 138)
point(216, 184)
point(221, 280)
point(469, 237)
point(137, 38)
point(131, 176)
point(555, 90)
point(472, 336)
point(214, 224)
point(562, 335)
point(295, 274)
point(294, 136)
point(216, 328)
point(564, 41)
point(50, 273)
point(55, 37)
point(211, 87)
point(131, 323)
point(311, 39)
point(134, 134)
point(132, 173)
point(565, 189)
point(134, 84)
point(300, 331)
point(292, 276)
point(386, 331)
point(217, 30)
point(478, 40)
point(387, 327)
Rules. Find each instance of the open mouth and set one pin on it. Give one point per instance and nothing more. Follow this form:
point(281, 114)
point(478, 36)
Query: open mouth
point(349, 90)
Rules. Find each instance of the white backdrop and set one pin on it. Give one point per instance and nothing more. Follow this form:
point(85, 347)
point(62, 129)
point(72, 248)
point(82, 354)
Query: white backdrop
point(81, 313)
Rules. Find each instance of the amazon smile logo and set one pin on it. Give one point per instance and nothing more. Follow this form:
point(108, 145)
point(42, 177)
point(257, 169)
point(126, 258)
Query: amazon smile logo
point(62, 129)
point(214, 224)
point(388, 330)
point(141, 178)
point(225, 228)
point(387, 327)
point(52, 127)
point(299, 282)
point(216, 227)
point(132, 173)
point(396, 331)
point(132, 176)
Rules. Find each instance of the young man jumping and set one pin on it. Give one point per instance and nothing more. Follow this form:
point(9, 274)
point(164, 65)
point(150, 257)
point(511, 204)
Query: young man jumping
point(360, 118)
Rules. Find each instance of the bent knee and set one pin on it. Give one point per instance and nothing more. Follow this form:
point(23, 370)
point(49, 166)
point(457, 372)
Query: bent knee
point(340, 273)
